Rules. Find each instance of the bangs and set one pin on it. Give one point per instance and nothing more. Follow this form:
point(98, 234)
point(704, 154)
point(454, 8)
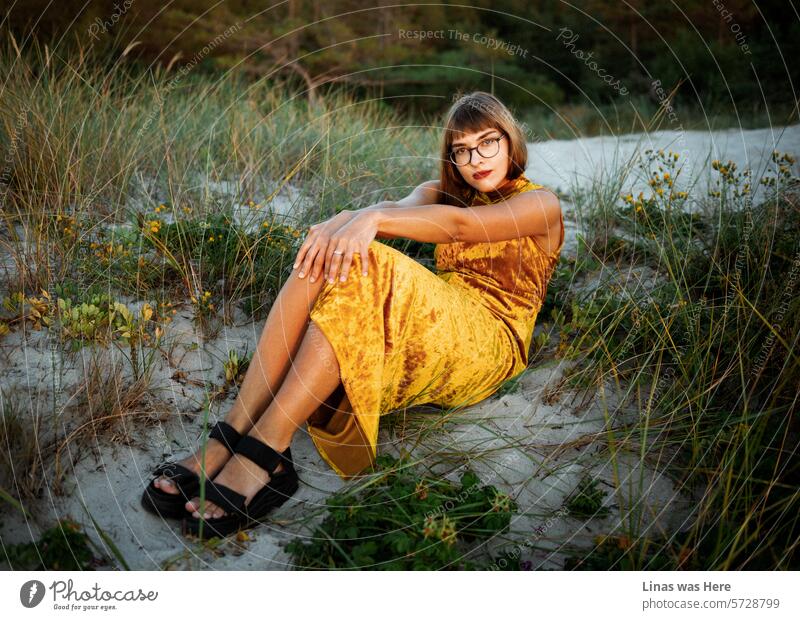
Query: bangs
point(468, 119)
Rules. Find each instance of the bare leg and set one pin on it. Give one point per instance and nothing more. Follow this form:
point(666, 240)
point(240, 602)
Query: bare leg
point(313, 376)
point(280, 339)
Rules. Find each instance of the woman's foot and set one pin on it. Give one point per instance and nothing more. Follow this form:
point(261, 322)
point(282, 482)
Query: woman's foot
point(241, 475)
point(216, 457)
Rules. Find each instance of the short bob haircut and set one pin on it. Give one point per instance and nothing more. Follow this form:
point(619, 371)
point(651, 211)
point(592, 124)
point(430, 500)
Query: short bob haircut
point(472, 113)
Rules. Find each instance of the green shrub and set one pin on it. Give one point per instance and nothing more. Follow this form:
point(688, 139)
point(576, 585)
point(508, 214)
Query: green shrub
point(406, 522)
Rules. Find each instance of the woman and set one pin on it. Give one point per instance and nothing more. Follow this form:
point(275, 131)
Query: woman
point(389, 333)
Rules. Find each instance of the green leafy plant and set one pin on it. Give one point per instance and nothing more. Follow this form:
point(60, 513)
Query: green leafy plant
point(38, 311)
point(104, 320)
point(235, 367)
point(62, 547)
point(406, 522)
point(587, 500)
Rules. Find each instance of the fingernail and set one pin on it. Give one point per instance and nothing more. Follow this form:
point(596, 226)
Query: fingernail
point(294, 266)
point(342, 278)
point(311, 279)
point(205, 515)
point(301, 275)
point(330, 280)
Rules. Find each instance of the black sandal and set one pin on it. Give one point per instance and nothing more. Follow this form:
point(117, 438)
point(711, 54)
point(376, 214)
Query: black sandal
point(173, 505)
point(281, 486)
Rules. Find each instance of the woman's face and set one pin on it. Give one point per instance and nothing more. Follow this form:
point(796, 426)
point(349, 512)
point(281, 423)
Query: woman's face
point(496, 166)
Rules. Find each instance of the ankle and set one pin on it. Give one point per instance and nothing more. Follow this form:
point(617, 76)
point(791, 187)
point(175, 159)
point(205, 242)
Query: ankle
point(241, 426)
point(277, 444)
point(215, 453)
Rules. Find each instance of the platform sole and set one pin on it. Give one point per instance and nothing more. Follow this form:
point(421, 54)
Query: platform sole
point(164, 507)
point(225, 526)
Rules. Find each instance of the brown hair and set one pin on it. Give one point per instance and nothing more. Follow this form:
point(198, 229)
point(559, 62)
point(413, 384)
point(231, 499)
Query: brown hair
point(472, 113)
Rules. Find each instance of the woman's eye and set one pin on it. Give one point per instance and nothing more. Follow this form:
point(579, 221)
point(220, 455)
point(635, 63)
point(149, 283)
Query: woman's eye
point(488, 141)
point(460, 150)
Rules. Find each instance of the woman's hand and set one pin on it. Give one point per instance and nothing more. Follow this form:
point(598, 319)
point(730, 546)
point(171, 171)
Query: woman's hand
point(332, 246)
point(318, 234)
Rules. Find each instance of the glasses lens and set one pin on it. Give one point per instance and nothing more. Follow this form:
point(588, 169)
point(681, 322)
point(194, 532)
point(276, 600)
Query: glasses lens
point(489, 147)
point(461, 156)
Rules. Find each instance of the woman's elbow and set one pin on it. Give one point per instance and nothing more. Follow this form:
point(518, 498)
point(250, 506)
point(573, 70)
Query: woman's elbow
point(459, 228)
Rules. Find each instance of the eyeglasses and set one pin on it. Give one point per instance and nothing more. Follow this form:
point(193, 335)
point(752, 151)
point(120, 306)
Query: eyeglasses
point(489, 147)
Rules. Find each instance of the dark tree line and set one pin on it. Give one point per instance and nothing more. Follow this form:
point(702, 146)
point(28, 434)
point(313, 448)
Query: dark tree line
point(724, 50)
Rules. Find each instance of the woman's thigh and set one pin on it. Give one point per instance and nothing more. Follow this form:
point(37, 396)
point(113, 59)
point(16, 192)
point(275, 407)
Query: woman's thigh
point(422, 338)
point(443, 346)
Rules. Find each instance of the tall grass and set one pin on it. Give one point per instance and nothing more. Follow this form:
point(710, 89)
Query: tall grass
point(91, 145)
point(708, 355)
point(128, 194)
point(126, 185)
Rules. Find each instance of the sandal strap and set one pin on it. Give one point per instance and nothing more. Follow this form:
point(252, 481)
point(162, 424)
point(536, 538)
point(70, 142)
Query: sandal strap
point(225, 434)
point(225, 497)
point(175, 472)
point(262, 455)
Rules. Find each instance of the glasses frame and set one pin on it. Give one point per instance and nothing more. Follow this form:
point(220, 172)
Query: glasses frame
point(497, 139)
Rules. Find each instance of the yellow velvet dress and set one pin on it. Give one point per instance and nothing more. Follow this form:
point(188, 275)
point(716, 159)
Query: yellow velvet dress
point(404, 335)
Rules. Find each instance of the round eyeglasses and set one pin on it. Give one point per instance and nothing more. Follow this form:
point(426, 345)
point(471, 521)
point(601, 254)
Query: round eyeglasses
point(488, 147)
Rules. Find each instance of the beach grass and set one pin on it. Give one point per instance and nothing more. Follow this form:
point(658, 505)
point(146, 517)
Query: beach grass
point(130, 196)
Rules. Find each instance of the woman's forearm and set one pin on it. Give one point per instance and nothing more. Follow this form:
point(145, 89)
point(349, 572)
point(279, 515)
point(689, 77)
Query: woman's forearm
point(383, 204)
point(429, 223)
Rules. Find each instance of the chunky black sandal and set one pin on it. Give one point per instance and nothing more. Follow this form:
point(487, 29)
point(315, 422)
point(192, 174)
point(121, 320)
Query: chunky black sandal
point(173, 505)
point(281, 486)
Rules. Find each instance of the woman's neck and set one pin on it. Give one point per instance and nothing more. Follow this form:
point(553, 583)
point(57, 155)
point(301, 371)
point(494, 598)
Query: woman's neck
point(507, 187)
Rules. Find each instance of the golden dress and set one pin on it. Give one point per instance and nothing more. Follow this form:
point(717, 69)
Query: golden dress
point(404, 335)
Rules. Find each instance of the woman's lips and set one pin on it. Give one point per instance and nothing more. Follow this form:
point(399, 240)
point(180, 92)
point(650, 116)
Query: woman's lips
point(481, 174)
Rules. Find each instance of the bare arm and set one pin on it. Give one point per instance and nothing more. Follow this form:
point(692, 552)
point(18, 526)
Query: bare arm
point(526, 214)
point(424, 194)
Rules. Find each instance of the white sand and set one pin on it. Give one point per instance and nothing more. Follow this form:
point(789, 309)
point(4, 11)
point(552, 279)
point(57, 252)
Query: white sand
point(569, 164)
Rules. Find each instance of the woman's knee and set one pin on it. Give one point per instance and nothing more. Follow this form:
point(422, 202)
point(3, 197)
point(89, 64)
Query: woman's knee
point(375, 259)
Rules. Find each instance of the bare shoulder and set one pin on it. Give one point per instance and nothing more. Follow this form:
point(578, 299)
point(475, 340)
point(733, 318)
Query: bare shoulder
point(429, 191)
point(549, 240)
point(551, 201)
point(423, 194)
point(433, 186)
point(543, 191)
